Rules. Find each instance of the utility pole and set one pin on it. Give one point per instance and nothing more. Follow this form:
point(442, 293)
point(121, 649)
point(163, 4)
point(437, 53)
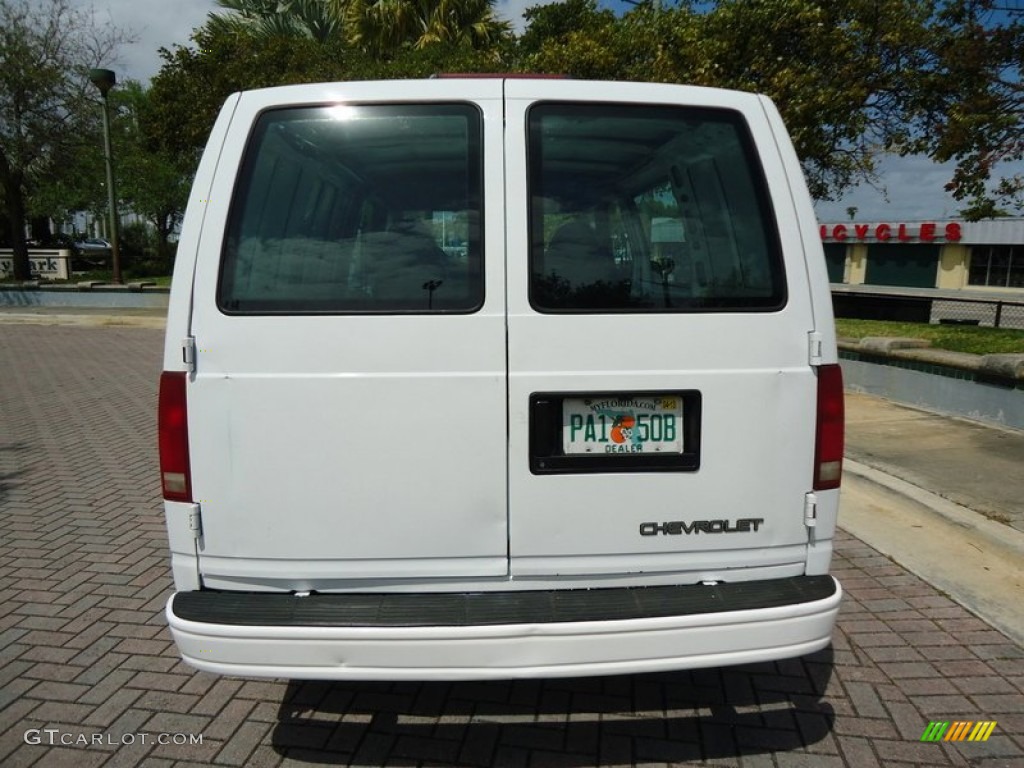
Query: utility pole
point(104, 80)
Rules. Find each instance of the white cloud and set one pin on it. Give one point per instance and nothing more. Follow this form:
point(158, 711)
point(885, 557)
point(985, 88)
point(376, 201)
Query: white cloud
point(154, 24)
point(909, 188)
point(512, 10)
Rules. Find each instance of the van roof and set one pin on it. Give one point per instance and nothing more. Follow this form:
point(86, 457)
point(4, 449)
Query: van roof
point(498, 76)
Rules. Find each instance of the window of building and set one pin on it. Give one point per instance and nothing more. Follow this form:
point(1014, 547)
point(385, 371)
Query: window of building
point(1000, 266)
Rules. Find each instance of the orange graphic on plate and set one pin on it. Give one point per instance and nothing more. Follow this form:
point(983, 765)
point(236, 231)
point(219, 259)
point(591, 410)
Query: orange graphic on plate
point(622, 428)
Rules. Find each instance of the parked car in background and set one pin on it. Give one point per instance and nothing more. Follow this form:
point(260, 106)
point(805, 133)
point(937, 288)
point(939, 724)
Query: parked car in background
point(91, 253)
point(92, 244)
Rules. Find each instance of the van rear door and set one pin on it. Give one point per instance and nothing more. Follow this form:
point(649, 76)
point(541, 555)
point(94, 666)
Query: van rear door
point(348, 406)
point(662, 404)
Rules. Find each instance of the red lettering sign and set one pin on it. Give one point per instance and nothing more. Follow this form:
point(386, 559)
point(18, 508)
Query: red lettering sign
point(926, 232)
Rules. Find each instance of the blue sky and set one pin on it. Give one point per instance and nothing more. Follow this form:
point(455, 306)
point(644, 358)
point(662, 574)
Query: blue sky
point(909, 188)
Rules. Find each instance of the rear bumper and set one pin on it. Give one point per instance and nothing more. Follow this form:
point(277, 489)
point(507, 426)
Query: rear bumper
point(479, 636)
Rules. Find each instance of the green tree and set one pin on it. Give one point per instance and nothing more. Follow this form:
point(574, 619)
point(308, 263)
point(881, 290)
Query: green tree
point(153, 181)
point(73, 180)
point(194, 81)
point(854, 79)
point(970, 102)
point(838, 71)
point(319, 20)
point(381, 27)
point(573, 38)
point(46, 103)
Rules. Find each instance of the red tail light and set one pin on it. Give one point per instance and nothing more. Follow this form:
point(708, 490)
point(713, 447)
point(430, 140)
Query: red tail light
point(173, 430)
point(828, 440)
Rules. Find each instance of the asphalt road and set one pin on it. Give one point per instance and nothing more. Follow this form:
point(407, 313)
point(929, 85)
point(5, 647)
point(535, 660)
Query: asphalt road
point(89, 676)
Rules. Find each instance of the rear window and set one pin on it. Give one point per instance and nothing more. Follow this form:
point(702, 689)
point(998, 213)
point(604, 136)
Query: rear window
point(364, 209)
point(637, 208)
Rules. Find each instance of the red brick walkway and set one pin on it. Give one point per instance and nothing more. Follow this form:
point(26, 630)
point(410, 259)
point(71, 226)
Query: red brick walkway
point(88, 671)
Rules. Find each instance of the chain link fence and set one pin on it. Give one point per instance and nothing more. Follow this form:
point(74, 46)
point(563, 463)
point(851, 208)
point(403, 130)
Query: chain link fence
point(992, 313)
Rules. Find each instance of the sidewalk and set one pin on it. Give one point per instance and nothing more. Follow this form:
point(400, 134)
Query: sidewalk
point(133, 317)
point(85, 651)
point(975, 465)
point(944, 498)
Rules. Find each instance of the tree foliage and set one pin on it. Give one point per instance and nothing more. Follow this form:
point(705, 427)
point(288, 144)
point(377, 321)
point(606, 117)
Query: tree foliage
point(573, 38)
point(378, 27)
point(853, 79)
point(970, 103)
point(382, 27)
point(46, 103)
point(319, 20)
point(154, 182)
point(194, 82)
point(191, 87)
point(837, 71)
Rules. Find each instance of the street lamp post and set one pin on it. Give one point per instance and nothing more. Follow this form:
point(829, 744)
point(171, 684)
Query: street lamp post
point(104, 80)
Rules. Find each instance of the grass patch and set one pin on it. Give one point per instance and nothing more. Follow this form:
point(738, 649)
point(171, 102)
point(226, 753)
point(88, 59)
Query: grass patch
point(103, 276)
point(956, 338)
point(127, 276)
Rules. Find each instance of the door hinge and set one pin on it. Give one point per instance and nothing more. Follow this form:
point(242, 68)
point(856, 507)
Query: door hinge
point(188, 353)
point(810, 510)
point(195, 521)
point(814, 348)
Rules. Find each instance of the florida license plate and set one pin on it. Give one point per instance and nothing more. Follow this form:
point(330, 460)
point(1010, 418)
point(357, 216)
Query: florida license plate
point(622, 425)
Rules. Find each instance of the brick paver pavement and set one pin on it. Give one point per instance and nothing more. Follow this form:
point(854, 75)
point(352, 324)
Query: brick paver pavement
point(88, 670)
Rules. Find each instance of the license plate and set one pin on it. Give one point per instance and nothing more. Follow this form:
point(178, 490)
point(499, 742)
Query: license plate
point(604, 426)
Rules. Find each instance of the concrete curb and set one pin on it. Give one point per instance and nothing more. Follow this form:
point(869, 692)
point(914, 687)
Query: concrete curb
point(884, 345)
point(1001, 534)
point(977, 562)
point(1008, 366)
point(90, 321)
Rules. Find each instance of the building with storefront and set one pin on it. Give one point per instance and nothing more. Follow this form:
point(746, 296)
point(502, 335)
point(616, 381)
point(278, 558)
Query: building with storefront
point(984, 256)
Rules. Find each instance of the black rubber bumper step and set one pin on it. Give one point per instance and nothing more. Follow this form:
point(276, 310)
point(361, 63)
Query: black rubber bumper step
point(494, 608)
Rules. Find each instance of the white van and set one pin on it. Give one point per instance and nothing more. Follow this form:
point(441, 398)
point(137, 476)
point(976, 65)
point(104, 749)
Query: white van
point(495, 377)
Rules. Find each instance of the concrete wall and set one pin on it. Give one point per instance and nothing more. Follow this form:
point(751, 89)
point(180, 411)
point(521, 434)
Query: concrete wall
point(49, 264)
point(953, 266)
point(97, 297)
point(963, 396)
point(856, 264)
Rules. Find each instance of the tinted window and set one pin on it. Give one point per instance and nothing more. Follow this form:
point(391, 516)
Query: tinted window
point(646, 209)
point(357, 209)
